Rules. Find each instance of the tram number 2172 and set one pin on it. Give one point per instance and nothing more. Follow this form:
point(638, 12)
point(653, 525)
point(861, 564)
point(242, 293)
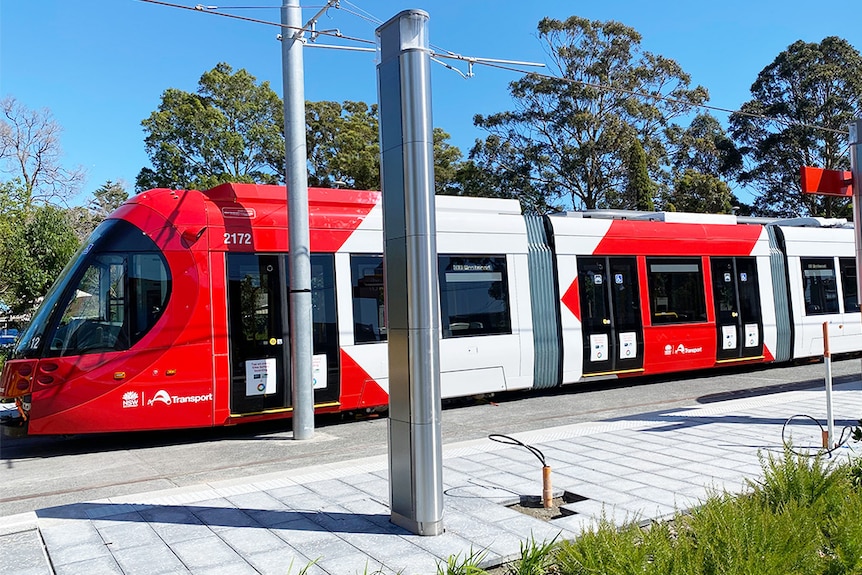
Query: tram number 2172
point(243, 238)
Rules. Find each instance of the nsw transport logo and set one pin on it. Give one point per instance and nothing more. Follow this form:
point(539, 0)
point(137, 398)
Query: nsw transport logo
point(161, 396)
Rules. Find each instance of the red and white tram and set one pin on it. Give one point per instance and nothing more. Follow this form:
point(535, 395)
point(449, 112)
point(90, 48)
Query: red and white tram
point(174, 313)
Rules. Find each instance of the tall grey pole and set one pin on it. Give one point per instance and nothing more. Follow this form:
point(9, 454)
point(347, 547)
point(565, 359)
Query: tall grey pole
point(856, 167)
point(296, 176)
point(410, 273)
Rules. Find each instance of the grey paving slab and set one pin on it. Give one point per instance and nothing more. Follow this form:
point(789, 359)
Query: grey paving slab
point(299, 531)
point(21, 553)
point(124, 534)
point(70, 533)
point(336, 490)
point(280, 562)
point(172, 533)
point(105, 565)
point(247, 541)
point(240, 567)
point(348, 564)
point(154, 559)
point(204, 552)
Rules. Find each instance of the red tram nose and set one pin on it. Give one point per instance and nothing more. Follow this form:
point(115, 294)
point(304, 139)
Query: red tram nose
point(17, 378)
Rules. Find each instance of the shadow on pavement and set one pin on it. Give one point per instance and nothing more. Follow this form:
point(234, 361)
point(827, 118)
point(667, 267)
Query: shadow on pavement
point(207, 516)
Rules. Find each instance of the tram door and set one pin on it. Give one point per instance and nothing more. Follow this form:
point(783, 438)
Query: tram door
point(738, 321)
point(258, 320)
point(610, 314)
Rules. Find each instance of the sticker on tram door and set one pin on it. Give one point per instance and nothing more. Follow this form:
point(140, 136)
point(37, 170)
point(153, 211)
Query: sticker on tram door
point(598, 347)
point(728, 337)
point(752, 335)
point(318, 371)
point(628, 345)
point(260, 376)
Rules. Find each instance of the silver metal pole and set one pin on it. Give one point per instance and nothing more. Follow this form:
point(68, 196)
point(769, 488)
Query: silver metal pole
point(296, 176)
point(410, 273)
point(827, 362)
point(856, 167)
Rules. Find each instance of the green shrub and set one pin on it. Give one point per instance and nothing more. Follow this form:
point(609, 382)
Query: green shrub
point(802, 518)
point(808, 481)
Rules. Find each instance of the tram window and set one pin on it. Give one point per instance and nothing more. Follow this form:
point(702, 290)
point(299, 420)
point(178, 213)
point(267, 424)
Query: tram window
point(366, 272)
point(676, 291)
point(848, 283)
point(92, 320)
point(818, 286)
point(116, 302)
point(324, 316)
point(148, 293)
point(474, 295)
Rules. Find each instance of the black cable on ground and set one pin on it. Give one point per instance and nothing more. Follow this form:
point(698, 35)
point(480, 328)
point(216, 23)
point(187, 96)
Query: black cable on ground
point(843, 438)
point(499, 438)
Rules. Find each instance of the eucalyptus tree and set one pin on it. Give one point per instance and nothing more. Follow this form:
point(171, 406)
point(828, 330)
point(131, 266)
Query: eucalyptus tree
point(801, 106)
point(575, 128)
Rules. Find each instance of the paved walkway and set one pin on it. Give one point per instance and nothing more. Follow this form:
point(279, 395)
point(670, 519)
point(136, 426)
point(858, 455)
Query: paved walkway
point(635, 468)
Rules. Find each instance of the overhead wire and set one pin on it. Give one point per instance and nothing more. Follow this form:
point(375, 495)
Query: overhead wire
point(201, 10)
point(656, 97)
point(438, 53)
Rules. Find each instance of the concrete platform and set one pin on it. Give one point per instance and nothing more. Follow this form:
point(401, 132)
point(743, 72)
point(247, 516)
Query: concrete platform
point(336, 515)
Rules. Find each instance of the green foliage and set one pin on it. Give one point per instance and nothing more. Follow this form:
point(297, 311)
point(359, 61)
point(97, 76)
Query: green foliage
point(697, 192)
point(640, 189)
point(230, 130)
point(571, 136)
point(536, 558)
point(738, 535)
point(37, 253)
point(344, 149)
point(844, 532)
point(35, 235)
point(794, 478)
point(304, 569)
point(608, 550)
point(802, 518)
point(447, 161)
point(807, 85)
point(107, 198)
point(499, 170)
point(704, 147)
point(468, 565)
point(342, 145)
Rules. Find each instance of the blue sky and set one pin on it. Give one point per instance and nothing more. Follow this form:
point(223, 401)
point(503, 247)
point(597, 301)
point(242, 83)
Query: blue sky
point(100, 66)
